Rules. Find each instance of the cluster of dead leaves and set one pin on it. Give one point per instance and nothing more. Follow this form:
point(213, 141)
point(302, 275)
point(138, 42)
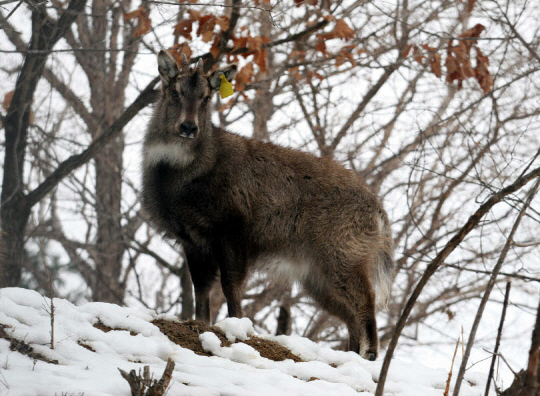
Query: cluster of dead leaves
point(458, 61)
point(207, 23)
point(243, 46)
point(344, 32)
point(346, 53)
point(144, 23)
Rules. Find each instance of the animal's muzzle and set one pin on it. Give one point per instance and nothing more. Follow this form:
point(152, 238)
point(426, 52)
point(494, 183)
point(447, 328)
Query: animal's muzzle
point(188, 129)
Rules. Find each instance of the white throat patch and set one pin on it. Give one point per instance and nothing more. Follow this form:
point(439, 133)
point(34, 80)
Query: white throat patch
point(174, 154)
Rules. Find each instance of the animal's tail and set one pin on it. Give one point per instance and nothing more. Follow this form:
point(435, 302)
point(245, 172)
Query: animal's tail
point(384, 268)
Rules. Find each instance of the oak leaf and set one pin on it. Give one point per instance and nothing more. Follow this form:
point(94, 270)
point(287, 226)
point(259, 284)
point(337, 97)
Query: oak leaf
point(207, 36)
point(482, 73)
point(206, 23)
point(435, 64)
point(244, 77)
point(7, 100)
point(144, 23)
point(214, 50)
point(418, 55)
point(178, 49)
point(321, 47)
point(223, 23)
point(184, 28)
point(195, 15)
point(343, 31)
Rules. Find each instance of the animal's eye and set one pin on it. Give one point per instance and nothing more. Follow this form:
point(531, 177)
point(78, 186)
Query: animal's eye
point(205, 100)
point(174, 93)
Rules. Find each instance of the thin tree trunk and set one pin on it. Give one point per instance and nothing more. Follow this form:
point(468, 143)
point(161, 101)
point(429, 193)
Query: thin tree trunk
point(15, 207)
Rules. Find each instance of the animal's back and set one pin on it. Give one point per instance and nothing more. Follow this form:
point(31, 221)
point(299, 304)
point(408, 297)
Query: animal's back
point(301, 207)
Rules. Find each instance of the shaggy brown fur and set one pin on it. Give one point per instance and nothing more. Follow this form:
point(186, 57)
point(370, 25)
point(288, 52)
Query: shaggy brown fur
point(236, 204)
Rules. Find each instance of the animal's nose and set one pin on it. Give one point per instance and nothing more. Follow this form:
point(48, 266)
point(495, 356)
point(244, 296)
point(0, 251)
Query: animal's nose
point(188, 129)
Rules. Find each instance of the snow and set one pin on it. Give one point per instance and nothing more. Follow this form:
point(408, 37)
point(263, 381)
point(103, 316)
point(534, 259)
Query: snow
point(237, 370)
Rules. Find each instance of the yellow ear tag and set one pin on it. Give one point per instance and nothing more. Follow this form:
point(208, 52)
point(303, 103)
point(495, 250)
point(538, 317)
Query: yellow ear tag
point(225, 89)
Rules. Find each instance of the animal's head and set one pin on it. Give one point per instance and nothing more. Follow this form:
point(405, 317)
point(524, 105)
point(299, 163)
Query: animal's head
point(184, 107)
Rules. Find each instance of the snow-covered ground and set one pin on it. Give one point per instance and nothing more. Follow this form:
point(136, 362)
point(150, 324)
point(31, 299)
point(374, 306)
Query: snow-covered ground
point(237, 370)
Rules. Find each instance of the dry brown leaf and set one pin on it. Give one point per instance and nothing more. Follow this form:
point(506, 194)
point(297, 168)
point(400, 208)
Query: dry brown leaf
point(470, 5)
point(7, 100)
point(406, 51)
point(223, 23)
point(343, 31)
point(418, 55)
point(207, 36)
point(482, 72)
point(435, 63)
point(255, 43)
point(260, 59)
point(347, 55)
point(298, 54)
point(144, 27)
point(240, 42)
point(339, 60)
point(184, 28)
point(144, 23)
point(215, 47)
point(321, 47)
point(244, 77)
point(138, 13)
point(428, 48)
point(206, 23)
point(453, 70)
point(473, 32)
point(195, 15)
point(178, 49)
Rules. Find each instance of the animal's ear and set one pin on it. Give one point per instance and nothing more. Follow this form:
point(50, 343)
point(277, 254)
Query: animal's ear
point(228, 71)
point(167, 67)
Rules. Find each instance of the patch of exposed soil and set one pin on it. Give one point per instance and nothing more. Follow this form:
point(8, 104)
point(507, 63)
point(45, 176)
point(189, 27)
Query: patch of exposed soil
point(104, 328)
point(22, 347)
point(186, 334)
point(271, 349)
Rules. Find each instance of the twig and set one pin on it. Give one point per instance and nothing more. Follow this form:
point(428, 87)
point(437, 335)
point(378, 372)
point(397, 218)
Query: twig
point(447, 390)
point(471, 223)
point(490, 285)
point(498, 341)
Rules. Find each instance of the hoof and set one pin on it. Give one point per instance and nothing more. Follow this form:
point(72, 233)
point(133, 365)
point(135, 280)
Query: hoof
point(371, 356)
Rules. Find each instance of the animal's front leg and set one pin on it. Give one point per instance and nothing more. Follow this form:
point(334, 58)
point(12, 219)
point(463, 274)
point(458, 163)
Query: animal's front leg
point(203, 272)
point(233, 269)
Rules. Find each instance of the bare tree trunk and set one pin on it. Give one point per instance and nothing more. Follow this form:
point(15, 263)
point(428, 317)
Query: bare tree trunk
point(527, 381)
point(15, 208)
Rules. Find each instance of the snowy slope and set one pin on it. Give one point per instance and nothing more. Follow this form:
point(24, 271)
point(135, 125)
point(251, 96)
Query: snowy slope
point(237, 370)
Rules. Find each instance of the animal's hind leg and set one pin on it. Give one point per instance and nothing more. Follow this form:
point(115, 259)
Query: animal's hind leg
point(363, 338)
point(350, 297)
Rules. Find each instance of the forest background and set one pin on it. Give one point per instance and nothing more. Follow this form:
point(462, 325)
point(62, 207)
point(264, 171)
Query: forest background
point(434, 103)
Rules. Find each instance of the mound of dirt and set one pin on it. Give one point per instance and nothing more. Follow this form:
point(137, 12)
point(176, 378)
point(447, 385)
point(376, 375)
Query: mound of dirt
point(186, 334)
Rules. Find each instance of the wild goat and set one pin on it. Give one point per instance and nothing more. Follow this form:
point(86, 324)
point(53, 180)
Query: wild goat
point(235, 204)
